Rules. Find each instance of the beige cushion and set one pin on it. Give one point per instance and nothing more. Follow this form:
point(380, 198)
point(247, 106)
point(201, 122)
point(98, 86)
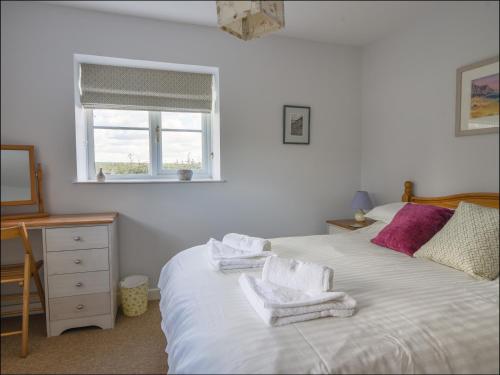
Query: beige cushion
point(468, 242)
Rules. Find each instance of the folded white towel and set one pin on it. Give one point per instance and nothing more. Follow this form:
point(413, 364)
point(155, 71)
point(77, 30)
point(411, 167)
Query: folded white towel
point(243, 242)
point(221, 250)
point(278, 305)
point(224, 257)
point(236, 264)
point(295, 274)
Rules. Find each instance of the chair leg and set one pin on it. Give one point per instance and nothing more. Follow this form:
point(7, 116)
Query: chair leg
point(39, 289)
point(26, 306)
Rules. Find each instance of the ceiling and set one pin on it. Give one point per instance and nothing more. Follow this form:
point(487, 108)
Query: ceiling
point(344, 22)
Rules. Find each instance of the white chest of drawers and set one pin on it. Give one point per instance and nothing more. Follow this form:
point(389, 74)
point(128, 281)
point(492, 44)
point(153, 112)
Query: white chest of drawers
point(81, 276)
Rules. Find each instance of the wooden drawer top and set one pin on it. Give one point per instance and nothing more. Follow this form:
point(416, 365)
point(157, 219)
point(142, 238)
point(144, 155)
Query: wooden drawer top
point(63, 220)
point(351, 224)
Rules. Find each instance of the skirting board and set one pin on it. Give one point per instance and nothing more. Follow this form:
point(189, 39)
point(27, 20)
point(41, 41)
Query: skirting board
point(153, 295)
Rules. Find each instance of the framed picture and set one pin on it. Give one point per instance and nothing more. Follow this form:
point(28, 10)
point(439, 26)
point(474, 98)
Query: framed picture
point(477, 98)
point(296, 124)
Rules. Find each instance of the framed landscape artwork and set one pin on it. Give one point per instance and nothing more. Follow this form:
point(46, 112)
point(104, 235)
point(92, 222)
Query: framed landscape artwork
point(477, 98)
point(296, 124)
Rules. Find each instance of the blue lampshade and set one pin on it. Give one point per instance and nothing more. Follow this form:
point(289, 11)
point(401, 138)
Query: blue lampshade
point(361, 201)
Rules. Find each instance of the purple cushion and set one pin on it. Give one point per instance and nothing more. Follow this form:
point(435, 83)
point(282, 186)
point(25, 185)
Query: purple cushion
point(412, 226)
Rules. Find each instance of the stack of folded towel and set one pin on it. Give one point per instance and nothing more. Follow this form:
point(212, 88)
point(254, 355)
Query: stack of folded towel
point(246, 243)
point(292, 291)
point(237, 251)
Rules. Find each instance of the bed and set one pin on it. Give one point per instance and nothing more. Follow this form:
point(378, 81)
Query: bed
point(413, 315)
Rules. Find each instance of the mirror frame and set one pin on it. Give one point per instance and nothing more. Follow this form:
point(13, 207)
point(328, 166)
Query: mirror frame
point(34, 199)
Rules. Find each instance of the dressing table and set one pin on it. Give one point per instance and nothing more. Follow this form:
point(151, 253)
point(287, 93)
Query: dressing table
point(80, 252)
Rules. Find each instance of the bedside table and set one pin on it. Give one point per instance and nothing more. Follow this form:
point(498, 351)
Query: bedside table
point(346, 225)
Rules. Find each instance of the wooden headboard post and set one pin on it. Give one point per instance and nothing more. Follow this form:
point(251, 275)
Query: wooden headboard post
point(451, 201)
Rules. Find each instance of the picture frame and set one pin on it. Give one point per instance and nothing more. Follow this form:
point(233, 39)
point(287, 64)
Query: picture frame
point(296, 125)
point(477, 98)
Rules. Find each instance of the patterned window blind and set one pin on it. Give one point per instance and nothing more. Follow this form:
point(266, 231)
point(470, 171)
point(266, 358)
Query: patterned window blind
point(118, 87)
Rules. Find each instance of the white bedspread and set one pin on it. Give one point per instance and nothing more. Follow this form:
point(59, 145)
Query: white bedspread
point(413, 315)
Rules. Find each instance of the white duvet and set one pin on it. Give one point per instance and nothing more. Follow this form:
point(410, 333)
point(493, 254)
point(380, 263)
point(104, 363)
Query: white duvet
point(413, 315)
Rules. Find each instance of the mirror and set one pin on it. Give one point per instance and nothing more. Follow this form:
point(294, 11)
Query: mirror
point(18, 175)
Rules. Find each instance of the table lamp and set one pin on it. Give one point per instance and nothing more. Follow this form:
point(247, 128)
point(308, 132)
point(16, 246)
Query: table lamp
point(361, 202)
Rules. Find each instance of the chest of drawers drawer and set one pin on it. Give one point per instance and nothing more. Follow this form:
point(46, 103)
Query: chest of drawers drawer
point(79, 306)
point(78, 283)
point(64, 262)
point(76, 238)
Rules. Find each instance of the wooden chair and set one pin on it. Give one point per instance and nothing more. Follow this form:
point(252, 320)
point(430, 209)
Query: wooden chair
point(21, 274)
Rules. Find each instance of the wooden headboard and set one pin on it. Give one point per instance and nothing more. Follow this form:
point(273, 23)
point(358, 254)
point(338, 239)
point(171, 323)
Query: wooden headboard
point(450, 201)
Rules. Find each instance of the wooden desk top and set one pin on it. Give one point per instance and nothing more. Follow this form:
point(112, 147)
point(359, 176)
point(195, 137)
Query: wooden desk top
point(61, 220)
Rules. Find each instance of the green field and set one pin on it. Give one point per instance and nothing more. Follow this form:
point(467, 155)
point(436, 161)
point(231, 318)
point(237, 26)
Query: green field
point(140, 168)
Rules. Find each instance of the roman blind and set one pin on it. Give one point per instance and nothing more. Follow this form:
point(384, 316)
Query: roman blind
point(107, 86)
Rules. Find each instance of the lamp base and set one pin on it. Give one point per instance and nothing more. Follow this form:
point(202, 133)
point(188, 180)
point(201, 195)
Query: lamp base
point(359, 216)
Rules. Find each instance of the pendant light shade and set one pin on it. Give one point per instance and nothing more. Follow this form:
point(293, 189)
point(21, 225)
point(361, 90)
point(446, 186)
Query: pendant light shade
point(250, 19)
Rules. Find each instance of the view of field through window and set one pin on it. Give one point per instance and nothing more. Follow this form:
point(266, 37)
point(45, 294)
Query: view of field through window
point(122, 141)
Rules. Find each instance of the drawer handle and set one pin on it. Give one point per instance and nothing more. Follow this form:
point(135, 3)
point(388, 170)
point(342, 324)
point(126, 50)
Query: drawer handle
point(77, 261)
point(80, 307)
point(77, 238)
point(79, 284)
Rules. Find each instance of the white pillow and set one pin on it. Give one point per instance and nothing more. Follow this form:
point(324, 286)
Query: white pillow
point(385, 212)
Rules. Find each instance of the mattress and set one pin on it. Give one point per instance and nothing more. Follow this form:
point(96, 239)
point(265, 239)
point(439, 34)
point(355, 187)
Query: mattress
point(413, 315)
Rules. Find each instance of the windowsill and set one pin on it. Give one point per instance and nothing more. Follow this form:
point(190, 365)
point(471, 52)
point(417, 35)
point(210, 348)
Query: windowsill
point(148, 181)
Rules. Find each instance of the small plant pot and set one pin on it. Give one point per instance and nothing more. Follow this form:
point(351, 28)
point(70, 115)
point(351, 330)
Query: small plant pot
point(184, 174)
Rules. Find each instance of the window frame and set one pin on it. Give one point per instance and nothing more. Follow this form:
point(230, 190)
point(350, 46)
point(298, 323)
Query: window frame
point(206, 152)
point(82, 174)
point(155, 169)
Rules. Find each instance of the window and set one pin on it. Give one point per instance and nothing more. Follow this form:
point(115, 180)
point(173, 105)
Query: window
point(141, 120)
point(119, 142)
point(148, 144)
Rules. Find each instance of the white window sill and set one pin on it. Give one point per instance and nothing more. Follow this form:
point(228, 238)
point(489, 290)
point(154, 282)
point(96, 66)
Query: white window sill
point(150, 181)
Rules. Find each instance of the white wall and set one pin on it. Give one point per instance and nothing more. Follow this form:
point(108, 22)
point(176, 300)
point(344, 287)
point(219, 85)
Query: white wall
point(408, 91)
point(271, 190)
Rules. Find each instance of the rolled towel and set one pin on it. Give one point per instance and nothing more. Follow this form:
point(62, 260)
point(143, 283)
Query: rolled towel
point(247, 243)
point(220, 250)
point(223, 257)
point(298, 275)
